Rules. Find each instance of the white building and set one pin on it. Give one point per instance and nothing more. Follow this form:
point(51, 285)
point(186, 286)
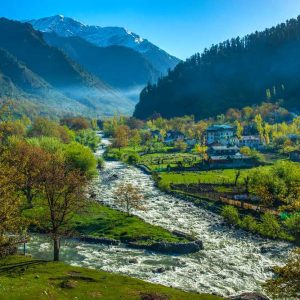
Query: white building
point(250, 141)
point(221, 134)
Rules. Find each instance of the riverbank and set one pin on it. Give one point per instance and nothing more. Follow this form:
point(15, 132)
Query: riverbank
point(101, 224)
point(49, 280)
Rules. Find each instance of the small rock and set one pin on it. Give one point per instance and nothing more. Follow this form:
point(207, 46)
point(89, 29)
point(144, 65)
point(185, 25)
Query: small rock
point(37, 276)
point(159, 270)
point(68, 284)
point(133, 261)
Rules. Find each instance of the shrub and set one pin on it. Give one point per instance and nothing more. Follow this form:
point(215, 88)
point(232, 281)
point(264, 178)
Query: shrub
point(231, 215)
point(293, 225)
point(249, 223)
point(133, 158)
point(100, 163)
point(164, 186)
point(270, 226)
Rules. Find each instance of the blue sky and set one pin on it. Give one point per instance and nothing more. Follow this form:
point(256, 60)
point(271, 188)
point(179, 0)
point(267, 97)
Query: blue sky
point(181, 27)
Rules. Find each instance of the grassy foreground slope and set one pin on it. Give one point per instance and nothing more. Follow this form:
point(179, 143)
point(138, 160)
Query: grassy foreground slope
point(100, 221)
point(24, 278)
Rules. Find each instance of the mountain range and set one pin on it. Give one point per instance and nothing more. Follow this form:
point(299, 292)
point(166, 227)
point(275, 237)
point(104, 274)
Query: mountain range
point(263, 66)
point(107, 36)
point(33, 70)
point(58, 67)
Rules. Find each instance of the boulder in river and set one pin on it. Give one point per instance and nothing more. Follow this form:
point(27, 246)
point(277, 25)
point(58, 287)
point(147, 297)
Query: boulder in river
point(159, 270)
point(133, 261)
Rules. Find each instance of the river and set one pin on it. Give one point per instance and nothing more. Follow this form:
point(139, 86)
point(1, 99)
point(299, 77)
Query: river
point(233, 261)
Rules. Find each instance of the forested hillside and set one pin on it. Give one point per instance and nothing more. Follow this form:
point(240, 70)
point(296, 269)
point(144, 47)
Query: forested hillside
point(263, 66)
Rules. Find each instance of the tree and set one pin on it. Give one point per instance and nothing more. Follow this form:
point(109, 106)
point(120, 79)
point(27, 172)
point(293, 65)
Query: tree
point(135, 138)
point(88, 137)
point(27, 159)
point(46, 127)
point(11, 128)
point(180, 145)
point(81, 158)
point(237, 176)
point(201, 150)
point(64, 191)
point(76, 123)
point(267, 131)
point(121, 137)
point(11, 222)
point(239, 129)
point(259, 126)
point(286, 282)
point(129, 196)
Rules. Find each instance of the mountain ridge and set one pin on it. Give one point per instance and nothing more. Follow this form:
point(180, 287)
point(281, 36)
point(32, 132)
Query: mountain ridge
point(262, 66)
point(119, 66)
point(107, 36)
point(60, 74)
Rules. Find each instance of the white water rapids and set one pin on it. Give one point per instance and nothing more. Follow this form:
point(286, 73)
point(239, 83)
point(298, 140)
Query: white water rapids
point(232, 260)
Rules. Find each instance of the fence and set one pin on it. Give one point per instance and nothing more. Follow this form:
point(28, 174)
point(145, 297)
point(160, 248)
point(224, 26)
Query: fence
point(246, 205)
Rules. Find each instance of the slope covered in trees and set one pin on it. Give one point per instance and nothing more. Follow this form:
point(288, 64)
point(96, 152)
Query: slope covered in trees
point(119, 66)
point(235, 73)
point(34, 70)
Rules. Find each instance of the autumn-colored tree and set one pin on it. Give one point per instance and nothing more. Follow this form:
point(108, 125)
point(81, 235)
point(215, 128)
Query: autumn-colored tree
point(46, 127)
point(239, 129)
point(259, 126)
point(286, 282)
point(64, 191)
point(199, 130)
point(180, 145)
point(11, 222)
point(134, 138)
point(245, 151)
point(6, 109)
point(11, 128)
point(129, 197)
point(121, 137)
point(267, 131)
point(27, 159)
point(76, 123)
point(201, 150)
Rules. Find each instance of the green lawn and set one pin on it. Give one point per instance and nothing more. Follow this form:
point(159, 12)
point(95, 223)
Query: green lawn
point(100, 221)
point(226, 176)
point(158, 161)
point(23, 278)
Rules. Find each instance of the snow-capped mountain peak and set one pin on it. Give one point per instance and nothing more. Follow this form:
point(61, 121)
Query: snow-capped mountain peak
point(105, 37)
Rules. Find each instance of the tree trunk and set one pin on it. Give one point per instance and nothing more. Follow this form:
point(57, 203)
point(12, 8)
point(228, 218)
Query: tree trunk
point(29, 197)
point(56, 246)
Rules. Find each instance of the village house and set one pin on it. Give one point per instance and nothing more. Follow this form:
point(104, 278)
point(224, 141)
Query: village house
point(250, 141)
point(227, 157)
point(190, 142)
point(156, 134)
point(295, 138)
point(221, 135)
point(295, 155)
point(223, 150)
point(172, 136)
